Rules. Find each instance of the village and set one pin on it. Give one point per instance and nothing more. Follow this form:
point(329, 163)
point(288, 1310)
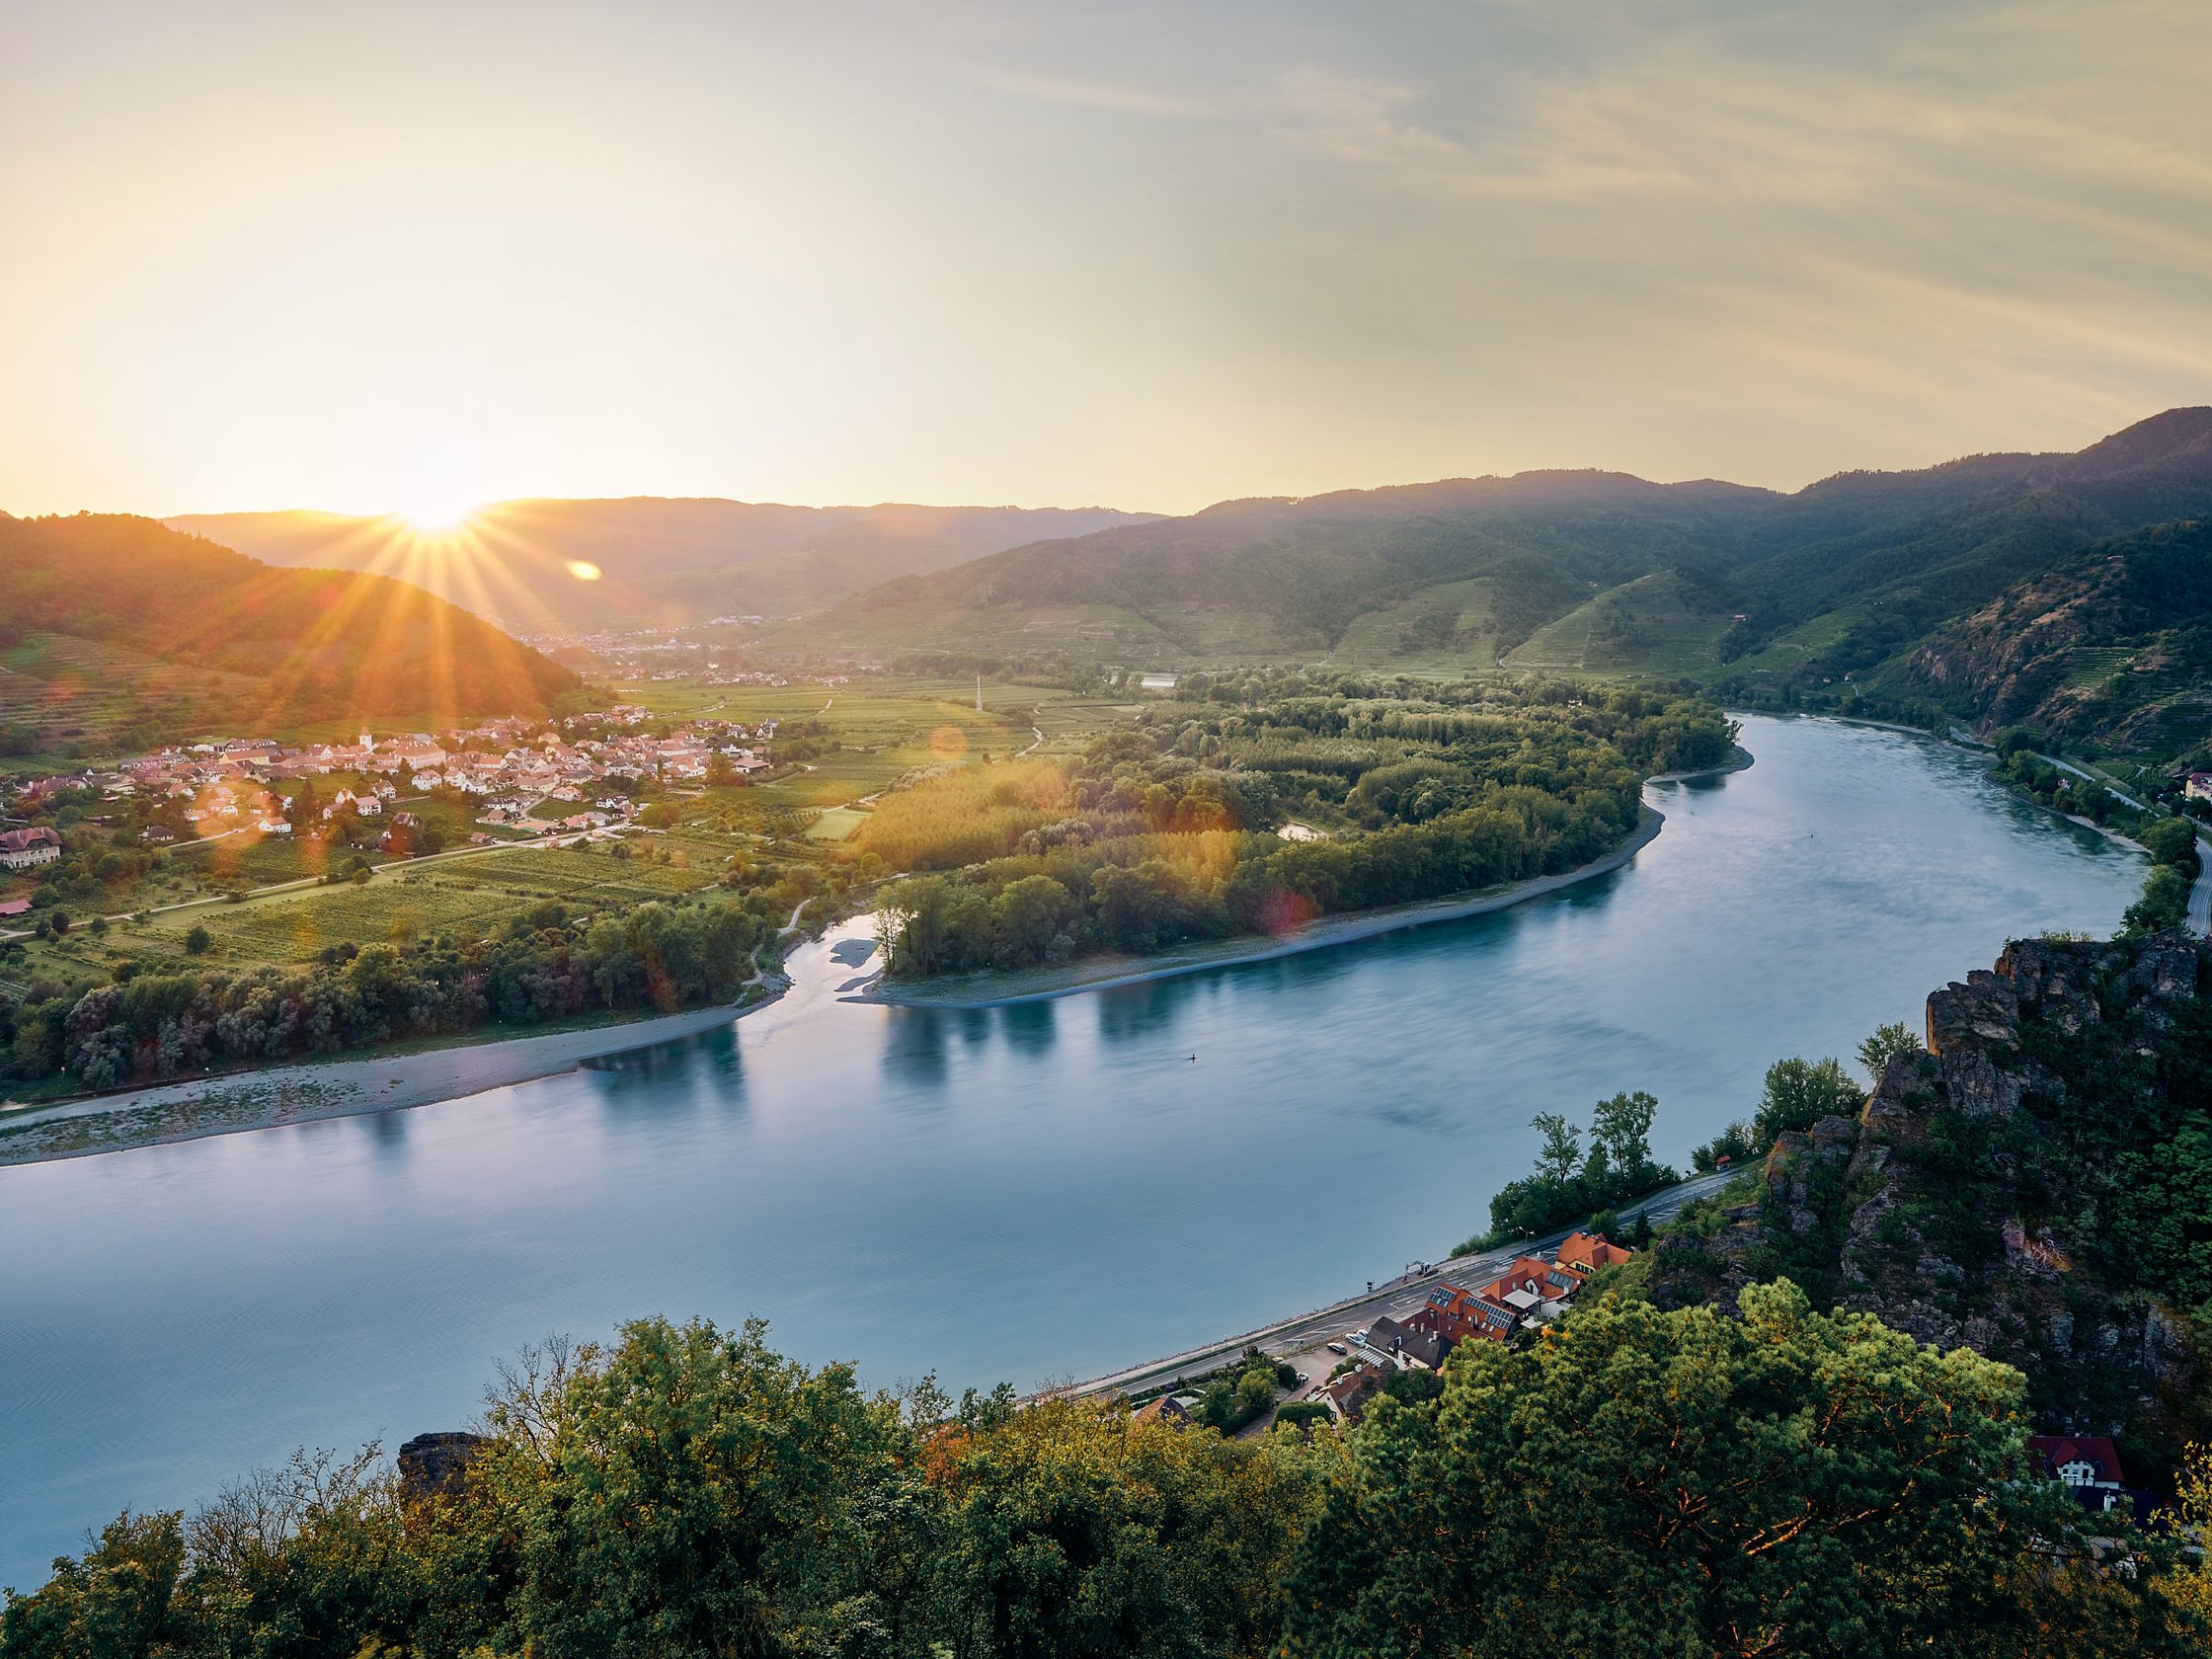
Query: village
point(582, 774)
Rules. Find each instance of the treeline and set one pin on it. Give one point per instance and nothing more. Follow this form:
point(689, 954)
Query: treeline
point(1570, 1183)
point(1168, 831)
point(691, 1494)
point(543, 966)
point(2168, 838)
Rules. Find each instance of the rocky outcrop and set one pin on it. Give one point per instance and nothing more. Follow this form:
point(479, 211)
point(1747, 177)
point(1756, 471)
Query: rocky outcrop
point(2107, 645)
point(1963, 1204)
point(434, 1463)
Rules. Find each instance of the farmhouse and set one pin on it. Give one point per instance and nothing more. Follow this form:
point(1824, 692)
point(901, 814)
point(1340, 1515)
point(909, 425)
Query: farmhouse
point(20, 849)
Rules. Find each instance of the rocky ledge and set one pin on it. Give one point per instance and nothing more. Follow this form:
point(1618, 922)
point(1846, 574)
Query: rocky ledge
point(1973, 1200)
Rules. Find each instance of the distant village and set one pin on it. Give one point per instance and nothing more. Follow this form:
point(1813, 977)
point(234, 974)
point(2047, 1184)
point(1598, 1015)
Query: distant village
point(576, 774)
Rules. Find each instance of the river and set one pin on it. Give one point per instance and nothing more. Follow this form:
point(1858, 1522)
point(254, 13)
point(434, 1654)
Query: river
point(1042, 1191)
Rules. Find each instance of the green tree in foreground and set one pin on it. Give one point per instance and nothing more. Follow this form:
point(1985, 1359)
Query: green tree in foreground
point(2171, 841)
point(1688, 1483)
point(1637, 1482)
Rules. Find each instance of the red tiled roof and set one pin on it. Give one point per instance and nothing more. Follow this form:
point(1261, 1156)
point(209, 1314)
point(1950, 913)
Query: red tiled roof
point(2051, 1452)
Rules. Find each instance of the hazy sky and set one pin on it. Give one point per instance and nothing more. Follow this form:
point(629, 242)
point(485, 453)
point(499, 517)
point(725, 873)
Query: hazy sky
point(367, 256)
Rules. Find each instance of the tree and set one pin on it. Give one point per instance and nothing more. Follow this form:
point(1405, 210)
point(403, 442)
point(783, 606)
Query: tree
point(1027, 917)
point(1798, 1093)
point(1800, 1484)
point(1561, 1152)
point(1885, 1043)
point(60, 920)
point(112, 1604)
point(2165, 903)
point(2170, 840)
point(691, 1495)
point(197, 939)
point(2189, 1587)
point(1621, 1126)
point(1074, 1533)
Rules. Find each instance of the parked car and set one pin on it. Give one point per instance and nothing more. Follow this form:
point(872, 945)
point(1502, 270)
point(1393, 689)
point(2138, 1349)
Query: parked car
point(1339, 1350)
point(1303, 1380)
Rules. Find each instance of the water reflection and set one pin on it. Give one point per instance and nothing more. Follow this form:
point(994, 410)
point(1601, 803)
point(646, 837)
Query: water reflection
point(1029, 1027)
point(913, 1050)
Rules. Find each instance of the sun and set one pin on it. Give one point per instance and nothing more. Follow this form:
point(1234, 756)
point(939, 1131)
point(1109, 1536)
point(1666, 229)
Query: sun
point(435, 511)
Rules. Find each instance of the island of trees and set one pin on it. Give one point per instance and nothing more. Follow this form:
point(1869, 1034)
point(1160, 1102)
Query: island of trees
point(1251, 808)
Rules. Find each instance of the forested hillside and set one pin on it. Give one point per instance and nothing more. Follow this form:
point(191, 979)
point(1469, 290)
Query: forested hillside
point(2113, 645)
point(1749, 591)
point(662, 561)
point(276, 647)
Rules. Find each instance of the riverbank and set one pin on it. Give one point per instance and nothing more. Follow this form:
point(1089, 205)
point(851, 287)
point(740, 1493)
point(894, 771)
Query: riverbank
point(1005, 988)
point(310, 1091)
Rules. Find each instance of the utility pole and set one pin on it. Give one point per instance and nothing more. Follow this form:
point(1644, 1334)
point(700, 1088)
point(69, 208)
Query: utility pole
point(979, 694)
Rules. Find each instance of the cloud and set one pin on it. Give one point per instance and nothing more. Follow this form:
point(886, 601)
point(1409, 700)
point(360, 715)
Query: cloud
point(1087, 95)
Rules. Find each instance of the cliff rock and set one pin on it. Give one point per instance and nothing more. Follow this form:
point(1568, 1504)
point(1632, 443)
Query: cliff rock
point(1983, 1193)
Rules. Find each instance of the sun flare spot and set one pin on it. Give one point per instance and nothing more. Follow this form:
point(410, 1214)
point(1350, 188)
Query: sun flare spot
point(433, 512)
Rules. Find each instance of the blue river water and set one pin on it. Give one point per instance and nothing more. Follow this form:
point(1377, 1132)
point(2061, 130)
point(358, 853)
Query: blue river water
point(1043, 1191)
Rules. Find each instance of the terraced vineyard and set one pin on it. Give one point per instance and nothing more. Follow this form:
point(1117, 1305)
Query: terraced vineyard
point(1648, 626)
point(1446, 632)
point(57, 689)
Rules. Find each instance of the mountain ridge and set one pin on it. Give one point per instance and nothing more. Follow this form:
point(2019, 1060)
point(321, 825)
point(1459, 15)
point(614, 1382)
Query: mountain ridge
point(1834, 582)
point(663, 560)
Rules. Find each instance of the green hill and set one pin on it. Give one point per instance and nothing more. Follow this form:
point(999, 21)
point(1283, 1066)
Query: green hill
point(131, 623)
point(1747, 590)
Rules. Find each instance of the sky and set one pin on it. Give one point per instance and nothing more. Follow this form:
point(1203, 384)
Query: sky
point(405, 257)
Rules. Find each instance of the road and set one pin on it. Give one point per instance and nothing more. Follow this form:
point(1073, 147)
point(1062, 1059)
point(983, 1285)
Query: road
point(1399, 1297)
point(2200, 894)
point(2088, 776)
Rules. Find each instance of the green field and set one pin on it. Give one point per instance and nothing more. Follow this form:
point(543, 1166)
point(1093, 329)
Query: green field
point(883, 730)
point(465, 895)
point(837, 823)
